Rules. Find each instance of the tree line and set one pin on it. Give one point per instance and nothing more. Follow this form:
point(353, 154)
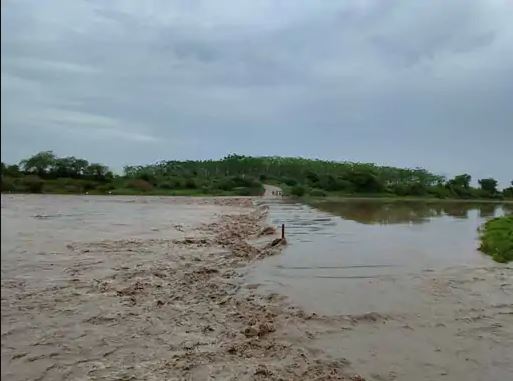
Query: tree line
point(45, 168)
point(242, 175)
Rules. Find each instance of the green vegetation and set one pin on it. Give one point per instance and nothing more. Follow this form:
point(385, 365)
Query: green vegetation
point(497, 239)
point(240, 175)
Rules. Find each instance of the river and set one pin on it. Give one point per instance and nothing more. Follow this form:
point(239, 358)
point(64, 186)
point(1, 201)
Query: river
point(436, 306)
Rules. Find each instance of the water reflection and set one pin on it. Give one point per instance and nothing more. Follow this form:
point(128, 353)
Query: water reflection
point(416, 212)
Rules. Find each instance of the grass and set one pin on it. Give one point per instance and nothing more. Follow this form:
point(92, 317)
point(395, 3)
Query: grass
point(497, 239)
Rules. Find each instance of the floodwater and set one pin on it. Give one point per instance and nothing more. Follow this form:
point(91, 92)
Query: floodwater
point(437, 307)
point(70, 266)
point(418, 300)
point(37, 228)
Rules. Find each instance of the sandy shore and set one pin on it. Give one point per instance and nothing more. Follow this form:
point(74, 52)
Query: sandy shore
point(156, 306)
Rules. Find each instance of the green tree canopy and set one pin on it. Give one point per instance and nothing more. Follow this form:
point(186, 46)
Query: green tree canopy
point(488, 185)
point(462, 181)
point(41, 163)
point(97, 171)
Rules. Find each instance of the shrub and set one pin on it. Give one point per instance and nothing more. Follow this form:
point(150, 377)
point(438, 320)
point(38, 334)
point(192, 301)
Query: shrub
point(243, 191)
point(364, 181)
point(168, 185)
point(230, 183)
point(413, 189)
point(105, 188)
point(440, 192)
point(33, 184)
point(290, 182)
point(190, 184)
point(508, 192)
point(497, 239)
point(317, 193)
point(73, 188)
point(7, 184)
point(312, 177)
point(344, 185)
point(328, 183)
point(140, 185)
point(147, 177)
point(88, 185)
point(298, 191)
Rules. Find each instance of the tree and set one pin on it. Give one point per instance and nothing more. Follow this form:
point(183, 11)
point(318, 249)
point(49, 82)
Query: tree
point(460, 186)
point(10, 170)
point(98, 172)
point(364, 181)
point(462, 181)
point(488, 185)
point(508, 192)
point(70, 167)
point(78, 166)
point(41, 163)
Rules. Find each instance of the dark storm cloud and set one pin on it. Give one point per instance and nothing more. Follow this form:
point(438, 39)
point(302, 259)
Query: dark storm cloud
point(401, 83)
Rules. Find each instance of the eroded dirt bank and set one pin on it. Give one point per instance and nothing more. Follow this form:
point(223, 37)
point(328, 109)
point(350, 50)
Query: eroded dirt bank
point(166, 305)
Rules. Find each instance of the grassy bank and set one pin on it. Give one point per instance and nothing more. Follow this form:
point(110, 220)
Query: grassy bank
point(497, 239)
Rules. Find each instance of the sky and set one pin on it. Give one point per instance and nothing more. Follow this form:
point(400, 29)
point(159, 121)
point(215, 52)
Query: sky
point(404, 83)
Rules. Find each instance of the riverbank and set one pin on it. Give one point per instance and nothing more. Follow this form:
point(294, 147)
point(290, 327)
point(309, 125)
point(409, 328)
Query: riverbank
point(497, 239)
point(148, 288)
point(402, 199)
point(307, 199)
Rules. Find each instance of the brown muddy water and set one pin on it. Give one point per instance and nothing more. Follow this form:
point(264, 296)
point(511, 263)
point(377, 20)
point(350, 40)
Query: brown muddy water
point(437, 308)
point(36, 228)
point(410, 295)
point(97, 288)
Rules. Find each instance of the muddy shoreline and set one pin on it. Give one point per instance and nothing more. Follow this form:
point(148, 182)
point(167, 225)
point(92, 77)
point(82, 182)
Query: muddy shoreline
point(165, 308)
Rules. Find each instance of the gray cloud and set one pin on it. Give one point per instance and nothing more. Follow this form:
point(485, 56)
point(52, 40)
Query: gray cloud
point(398, 83)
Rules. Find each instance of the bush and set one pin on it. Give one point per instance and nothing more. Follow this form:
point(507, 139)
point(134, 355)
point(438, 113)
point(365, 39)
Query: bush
point(297, 191)
point(148, 178)
point(88, 185)
point(140, 185)
point(243, 191)
point(440, 192)
point(230, 183)
point(7, 184)
point(328, 183)
point(317, 193)
point(169, 185)
point(33, 184)
point(312, 177)
point(344, 185)
point(508, 192)
point(413, 189)
point(105, 188)
point(190, 184)
point(290, 182)
point(364, 181)
point(73, 188)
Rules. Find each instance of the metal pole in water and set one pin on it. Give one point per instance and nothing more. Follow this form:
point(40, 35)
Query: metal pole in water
point(282, 231)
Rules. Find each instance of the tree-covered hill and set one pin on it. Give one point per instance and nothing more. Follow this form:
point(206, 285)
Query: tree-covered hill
point(239, 175)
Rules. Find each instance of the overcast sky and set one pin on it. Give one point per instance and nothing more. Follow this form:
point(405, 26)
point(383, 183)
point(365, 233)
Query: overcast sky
point(405, 83)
